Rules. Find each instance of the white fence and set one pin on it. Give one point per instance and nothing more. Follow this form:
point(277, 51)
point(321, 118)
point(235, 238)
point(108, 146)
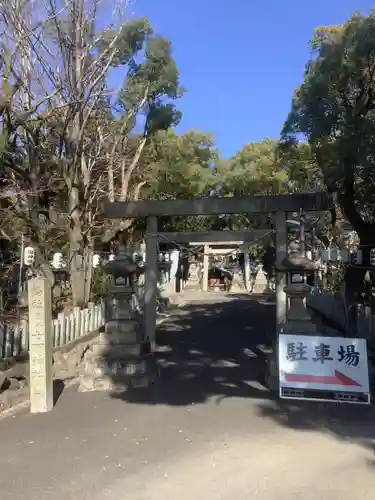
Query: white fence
point(14, 338)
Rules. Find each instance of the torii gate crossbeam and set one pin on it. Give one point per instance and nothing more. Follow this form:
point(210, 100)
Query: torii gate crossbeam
point(151, 209)
point(214, 236)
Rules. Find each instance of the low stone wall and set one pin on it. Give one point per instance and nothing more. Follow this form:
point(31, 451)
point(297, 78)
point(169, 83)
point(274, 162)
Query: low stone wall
point(67, 363)
point(14, 372)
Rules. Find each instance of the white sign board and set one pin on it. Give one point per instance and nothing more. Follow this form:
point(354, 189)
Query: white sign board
point(330, 364)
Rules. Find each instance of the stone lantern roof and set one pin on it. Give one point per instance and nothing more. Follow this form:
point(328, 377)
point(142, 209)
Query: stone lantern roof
point(298, 262)
point(123, 264)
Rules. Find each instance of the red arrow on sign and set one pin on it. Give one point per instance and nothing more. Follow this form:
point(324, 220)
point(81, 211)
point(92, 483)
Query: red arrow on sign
point(337, 379)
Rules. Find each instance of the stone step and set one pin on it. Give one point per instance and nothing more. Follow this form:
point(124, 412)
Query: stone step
point(104, 365)
point(102, 376)
point(116, 334)
point(106, 383)
point(119, 351)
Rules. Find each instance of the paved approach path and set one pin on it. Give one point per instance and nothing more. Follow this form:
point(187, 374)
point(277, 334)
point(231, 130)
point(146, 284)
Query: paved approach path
point(208, 430)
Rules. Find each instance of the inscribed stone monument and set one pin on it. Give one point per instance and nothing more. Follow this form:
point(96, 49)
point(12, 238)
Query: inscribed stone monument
point(40, 334)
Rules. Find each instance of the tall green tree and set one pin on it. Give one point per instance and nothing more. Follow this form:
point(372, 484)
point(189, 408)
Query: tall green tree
point(66, 131)
point(265, 168)
point(334, 108)
point(181, 166)
point(254, 170)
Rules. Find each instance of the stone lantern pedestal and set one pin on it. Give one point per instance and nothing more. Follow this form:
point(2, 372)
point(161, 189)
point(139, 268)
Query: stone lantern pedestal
point(119, 359)
point(298, 317)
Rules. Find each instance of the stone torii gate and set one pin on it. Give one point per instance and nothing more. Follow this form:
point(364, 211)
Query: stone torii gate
point(279, 206)
point(209, 239)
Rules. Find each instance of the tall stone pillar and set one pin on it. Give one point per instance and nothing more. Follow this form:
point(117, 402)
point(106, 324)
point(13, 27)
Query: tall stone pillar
point(118, 361)
point(40, 335)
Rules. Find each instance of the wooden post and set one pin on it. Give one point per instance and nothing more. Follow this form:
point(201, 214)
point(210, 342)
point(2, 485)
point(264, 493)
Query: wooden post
point(205, 268)
point(151, 281)
point(40, 335)
point(281, 253)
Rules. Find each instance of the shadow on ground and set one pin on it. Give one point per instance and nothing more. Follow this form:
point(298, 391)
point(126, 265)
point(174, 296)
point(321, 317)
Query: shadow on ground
point(348, 422)
point(211, 350)
point(218, 350)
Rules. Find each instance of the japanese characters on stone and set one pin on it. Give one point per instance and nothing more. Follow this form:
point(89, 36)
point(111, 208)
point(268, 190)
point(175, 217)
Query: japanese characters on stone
point(298, 351)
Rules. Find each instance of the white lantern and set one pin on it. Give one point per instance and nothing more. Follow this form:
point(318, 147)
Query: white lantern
point(57, 260)
point(112, 256)
point(96, 260)
point(29, 256)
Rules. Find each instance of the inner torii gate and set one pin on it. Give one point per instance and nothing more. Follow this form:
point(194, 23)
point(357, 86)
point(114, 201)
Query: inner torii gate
point(213, 238)
point(279, 206)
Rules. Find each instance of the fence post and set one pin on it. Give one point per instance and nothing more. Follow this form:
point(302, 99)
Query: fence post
point(9, 339)
point(24, 329)
point(91, 310)
point(77, 322)
point(2, 339)
point(83, 322)
point(102, 313)
point(69, 327)
point(40, 325)
point(94, 313)
point(61, 320)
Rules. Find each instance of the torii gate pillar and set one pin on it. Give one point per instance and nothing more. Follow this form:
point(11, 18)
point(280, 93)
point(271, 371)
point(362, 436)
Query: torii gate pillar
point(281, 253)
point(151, 280)
point(205, 268)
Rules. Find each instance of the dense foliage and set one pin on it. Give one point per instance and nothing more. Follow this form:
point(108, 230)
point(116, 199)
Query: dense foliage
point(87, 112)
point(334, 108)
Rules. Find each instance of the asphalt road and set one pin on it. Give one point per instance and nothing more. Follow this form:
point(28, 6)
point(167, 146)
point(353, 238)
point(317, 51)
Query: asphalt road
point(207, 431)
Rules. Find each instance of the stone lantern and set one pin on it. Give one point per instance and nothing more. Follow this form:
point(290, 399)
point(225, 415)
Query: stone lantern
point(118, 360)
point(298, 317)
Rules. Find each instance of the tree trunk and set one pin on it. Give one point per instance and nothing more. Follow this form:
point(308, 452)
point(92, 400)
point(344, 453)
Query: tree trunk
point(88, 269)
point(111, 183)
point(76, 264)
point(126, 178)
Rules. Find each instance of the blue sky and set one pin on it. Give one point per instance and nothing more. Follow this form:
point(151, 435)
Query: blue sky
point(240, 60)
